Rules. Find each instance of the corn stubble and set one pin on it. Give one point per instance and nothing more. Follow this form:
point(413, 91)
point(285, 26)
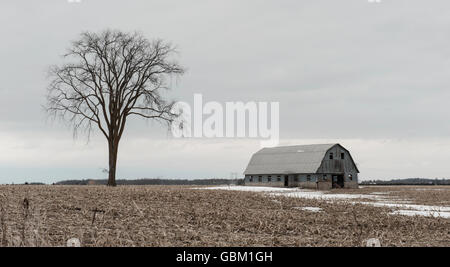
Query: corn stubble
point(178, 216)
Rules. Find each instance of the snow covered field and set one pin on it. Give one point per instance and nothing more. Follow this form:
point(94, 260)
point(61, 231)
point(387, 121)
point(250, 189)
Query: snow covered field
point(378, 199)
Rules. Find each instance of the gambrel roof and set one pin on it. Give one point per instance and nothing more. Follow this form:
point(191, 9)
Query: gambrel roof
point(288, 159)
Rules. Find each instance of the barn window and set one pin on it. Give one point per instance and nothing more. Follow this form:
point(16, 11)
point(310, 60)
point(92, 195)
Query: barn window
point(324, 177)
point(331, 156)
point(279, 178)
point(251, 178)
point(308, 178)
point(342, 155)
point(260, 179)
point(269, 179)
point(350, 177)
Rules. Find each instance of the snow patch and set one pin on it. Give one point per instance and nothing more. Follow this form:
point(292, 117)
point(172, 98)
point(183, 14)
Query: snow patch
point(408, 206)
point(311, 209)
point(380, 193)
point(442, 214)
point(249, 188)
point(302, 193)
point(380, 199)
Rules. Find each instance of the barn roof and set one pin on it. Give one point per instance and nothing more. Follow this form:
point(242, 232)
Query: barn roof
point(288, 159)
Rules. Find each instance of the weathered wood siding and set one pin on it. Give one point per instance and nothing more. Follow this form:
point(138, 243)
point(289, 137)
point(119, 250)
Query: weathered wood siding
point(337, 165)
point(322, 179)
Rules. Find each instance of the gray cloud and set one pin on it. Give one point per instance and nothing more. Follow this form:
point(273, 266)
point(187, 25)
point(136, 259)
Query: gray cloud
point(342, 71)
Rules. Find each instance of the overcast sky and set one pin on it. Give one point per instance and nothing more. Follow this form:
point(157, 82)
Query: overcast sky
point(374, 77)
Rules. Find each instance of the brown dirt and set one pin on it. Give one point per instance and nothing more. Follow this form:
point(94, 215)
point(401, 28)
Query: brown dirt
point(179, 216)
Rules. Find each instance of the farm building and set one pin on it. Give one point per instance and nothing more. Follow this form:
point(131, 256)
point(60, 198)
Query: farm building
point(306, 166)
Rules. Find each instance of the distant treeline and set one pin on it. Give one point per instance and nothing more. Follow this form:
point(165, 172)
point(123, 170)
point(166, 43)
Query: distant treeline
point(409, 181)
point(155, 182)
point(217, 181)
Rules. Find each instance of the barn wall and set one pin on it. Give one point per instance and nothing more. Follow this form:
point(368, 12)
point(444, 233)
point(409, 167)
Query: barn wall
point(324, 181)
point(276, 180)
point(337, 165)
point(353, 185)
point(308, 185)
point(272, 184)
point(292, 179)
point(324, 185)
point(264, 180)
point(304, 177)
point(353, 182)
point(321, 180)
point(295, 180)
point(316, 181)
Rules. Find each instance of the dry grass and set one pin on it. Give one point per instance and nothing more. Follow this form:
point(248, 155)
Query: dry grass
point(179, 216)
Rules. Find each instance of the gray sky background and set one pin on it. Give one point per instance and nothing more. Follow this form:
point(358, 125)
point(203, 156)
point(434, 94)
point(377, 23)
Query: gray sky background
point(374, 77)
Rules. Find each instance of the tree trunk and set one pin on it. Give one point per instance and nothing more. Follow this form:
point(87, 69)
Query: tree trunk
point(113, 149)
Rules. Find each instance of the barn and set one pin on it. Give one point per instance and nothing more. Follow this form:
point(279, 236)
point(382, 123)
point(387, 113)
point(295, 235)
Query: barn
point(322, 167)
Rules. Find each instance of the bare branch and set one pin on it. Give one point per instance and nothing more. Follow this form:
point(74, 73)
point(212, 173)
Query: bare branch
point(107, 78)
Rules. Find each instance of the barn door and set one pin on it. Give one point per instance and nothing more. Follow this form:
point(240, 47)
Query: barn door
point(334, 181)
point(286, 180)
point(340, 181)
point(337, 181)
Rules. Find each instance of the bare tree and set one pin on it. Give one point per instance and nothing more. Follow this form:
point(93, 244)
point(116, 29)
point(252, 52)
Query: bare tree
point(107, 78)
